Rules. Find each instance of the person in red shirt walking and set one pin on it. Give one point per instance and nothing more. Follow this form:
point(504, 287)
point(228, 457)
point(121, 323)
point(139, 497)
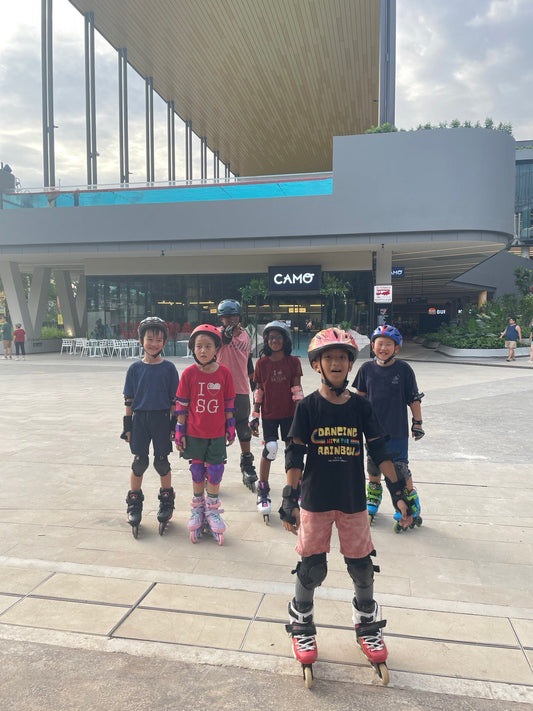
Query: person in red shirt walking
point(277, 375)
point(19, 336)
point(206, 426)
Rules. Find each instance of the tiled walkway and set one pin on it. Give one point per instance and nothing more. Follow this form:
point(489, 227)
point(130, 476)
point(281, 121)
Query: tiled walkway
point(456, 593)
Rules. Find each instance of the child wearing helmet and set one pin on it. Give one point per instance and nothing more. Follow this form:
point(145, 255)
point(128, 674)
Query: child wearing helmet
point(327, 431)
point(277, 376)
point(390, 386)
point(149, 398)
point(205, 427)
point(235, 354)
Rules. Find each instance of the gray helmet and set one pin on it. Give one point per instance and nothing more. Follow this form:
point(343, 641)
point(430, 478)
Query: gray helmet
point(277, 326)
point(229, 307)
point(152, 323)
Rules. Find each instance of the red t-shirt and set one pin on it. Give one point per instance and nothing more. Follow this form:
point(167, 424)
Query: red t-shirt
point(19, 335)
point(276, 377)
point(206, 395)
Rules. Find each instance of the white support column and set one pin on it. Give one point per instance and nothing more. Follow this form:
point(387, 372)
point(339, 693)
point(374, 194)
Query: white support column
point(38, 297)
point(67, 301)
point(30, 315)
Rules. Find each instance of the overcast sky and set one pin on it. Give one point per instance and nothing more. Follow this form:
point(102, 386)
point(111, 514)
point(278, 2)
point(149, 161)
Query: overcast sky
point(464, 59)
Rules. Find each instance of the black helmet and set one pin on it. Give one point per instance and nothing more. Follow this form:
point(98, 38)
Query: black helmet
point(229, 307)
point(152, 323)
point(277, 326)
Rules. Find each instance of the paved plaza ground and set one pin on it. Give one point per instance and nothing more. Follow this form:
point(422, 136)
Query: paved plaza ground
point(92, 618)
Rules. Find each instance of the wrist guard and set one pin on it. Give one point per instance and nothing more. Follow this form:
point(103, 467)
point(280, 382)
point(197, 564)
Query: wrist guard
point(416, 429)
point(173, 424)
point(253, 423)
point(127, 424)
point(398, 492)
point(181, 431)
point(230, 430)
point(227, 334)
point(289, 502)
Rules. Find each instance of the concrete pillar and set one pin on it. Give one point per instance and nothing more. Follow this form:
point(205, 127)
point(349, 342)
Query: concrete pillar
point(67, 302)
point(383, 265)
point(81, 304)
point(38, 297)
point(15, 296)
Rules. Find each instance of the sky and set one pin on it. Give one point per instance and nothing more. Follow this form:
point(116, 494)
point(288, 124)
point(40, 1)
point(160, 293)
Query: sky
point(455, 59)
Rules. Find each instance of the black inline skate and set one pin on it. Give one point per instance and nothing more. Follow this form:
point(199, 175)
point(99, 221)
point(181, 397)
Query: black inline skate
point(135, 500)
point(166, 508)
point(249, 475)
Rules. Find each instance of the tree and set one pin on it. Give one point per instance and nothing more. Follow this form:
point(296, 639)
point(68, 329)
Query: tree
point(333, 287)
point(523, 279)
point(384, 128)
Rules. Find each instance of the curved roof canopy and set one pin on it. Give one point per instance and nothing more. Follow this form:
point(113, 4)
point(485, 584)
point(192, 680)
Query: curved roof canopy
point(268, 82)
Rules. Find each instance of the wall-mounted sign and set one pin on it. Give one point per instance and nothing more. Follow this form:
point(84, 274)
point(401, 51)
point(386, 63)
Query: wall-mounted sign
point(417, 300)
point(383, 294)
point(397, 272)
point(290, 280)
point(436, 312)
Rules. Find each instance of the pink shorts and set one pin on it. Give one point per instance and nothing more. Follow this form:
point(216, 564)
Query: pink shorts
point(314, 534)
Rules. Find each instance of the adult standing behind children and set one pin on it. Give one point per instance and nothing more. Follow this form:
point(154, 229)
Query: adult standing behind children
point(205, 426)
point(149, 398)
point(7, 339)
point(235, 354)
point(19, 334)
point(391, 387)
point(512, 335)
point(277, 376)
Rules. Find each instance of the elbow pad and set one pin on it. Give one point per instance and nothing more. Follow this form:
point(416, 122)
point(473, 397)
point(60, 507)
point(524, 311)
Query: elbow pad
point(415, 397)
point(128, 400)
point(297, 393)
point(377, 450)
point(294, 456)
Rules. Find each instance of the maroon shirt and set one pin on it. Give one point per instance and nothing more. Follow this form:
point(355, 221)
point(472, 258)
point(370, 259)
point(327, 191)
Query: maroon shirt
point(276, 378)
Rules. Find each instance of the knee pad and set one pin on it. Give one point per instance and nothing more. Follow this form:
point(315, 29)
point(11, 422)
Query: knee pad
point(372, 468)
point(361, 571)
point(162, 465)
point(270, 451)
point(214, 473)
point(312, 570)
point(402, 470)
point(139, 465)
point(197, 470)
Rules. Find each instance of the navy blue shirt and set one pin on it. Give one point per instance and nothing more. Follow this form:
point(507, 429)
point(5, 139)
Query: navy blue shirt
point(389, 389)
point(152, 387)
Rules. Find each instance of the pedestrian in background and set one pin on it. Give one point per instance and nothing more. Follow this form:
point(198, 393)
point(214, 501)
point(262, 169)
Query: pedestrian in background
point(19, 334)
point(512, 335)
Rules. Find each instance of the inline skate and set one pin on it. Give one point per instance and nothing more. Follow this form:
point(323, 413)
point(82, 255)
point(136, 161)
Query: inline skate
point(374, 494)
point(263, 500)
point(249, 475)
point(303, 632)
point(214, 523)
point(197, 521)
point(166, 508)
point(414, 503)
point(370, 638)
point(135, 500)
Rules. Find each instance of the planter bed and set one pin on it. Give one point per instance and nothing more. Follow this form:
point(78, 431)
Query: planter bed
point(481, 352)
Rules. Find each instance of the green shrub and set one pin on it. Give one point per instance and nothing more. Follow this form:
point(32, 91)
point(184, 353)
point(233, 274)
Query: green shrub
point(48, 332)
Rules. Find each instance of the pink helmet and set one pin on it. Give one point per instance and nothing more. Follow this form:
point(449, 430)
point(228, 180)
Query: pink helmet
point(209, 330)
point(332, 338)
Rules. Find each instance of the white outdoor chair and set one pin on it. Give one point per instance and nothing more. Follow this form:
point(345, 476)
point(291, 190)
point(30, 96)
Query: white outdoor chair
point(67, 345)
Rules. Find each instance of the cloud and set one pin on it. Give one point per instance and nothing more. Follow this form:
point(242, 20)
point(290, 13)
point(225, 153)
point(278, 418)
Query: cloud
point(465, 60)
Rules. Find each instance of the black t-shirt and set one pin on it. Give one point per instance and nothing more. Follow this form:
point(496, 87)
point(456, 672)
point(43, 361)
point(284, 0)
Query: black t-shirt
point(334, 476)
point(389, 389)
